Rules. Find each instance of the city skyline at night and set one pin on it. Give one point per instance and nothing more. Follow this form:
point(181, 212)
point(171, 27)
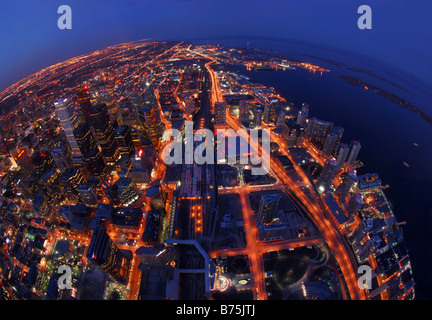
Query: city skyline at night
point(37, 42)
point(215, 152)
point(304, 201)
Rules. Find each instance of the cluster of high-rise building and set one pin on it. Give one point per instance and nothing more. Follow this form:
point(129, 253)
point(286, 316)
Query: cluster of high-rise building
point(360, 208)
point(83, 184)
point(81, 175)
point(378, 241)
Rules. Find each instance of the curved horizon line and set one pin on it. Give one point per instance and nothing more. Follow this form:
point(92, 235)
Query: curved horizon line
point(422, 84)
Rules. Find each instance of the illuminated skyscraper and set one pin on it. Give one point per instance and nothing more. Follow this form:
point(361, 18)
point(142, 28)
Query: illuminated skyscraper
point(354, 151)
point(126, 191)
point(318, 130)
point(144, 114)
point(327, 175)
point(342, 154)
point(349, 179)
point(62, 157)
point(129, 115)
point(111, 103)
point(104, 253)
point(269, 113)
point(332, 142)
point(94, 162)
point(84, 138)
point(269, 205)
point(302, 115)
point(258, 113)
point(42, 162)
point(354, 204)
point(152, 126)
point(70, 180)
point(291, 132)
point(87, 192)
point(220, 113)
point(104, 130)
point(69, 119)
point(83, 98)
point(244, 111)
point(124, 140)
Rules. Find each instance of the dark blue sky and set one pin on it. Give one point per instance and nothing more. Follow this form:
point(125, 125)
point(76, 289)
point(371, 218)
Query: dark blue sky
point(30, 40)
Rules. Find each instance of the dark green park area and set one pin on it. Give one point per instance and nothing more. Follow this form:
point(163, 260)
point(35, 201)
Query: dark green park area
point(289, 270)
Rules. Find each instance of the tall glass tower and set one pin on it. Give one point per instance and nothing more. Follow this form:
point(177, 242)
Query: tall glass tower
point(69, 119)
point(100, 120)
point(104, 253)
